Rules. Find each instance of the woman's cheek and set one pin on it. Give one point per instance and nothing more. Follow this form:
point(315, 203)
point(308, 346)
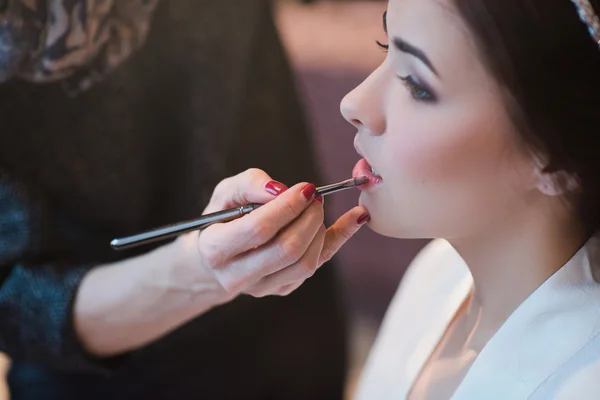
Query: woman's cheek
point(422, 156)
point(431, 181)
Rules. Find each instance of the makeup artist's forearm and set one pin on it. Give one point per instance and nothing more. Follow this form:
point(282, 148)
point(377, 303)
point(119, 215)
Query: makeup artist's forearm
point(123, 306)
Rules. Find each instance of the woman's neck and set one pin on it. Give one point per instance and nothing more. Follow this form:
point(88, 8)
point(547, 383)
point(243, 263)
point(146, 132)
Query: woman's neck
point(509, 264)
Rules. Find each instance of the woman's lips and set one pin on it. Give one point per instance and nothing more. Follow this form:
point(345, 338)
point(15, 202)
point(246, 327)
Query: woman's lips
point(363, 168)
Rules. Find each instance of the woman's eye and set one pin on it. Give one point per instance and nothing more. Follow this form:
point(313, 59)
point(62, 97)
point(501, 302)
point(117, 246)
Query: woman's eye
point(417, 91)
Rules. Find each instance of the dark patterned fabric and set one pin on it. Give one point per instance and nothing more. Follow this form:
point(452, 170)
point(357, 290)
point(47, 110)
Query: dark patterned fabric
point(83, 40)
point(208, 95)
point(34, 302)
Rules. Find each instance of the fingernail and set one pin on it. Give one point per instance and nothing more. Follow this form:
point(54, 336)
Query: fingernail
point(309, 191)
point(320, 199)
point(275, 188)
point(363, 219)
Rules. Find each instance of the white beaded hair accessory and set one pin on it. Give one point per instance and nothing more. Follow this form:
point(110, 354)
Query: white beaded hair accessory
point(589, 17)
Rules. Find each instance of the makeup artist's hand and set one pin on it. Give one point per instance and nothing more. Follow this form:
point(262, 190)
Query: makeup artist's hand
point(270, 251)
point(274, 249)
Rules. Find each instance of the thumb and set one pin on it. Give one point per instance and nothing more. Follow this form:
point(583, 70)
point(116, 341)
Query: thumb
point(343, 229)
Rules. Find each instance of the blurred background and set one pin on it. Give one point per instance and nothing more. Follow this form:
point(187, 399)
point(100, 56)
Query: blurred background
point(332, 47)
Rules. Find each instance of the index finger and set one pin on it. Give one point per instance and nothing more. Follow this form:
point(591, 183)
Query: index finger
point(241, 189)
point(259, 227)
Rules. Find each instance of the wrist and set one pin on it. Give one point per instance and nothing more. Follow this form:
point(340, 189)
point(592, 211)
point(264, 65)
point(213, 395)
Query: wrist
point(187, 274)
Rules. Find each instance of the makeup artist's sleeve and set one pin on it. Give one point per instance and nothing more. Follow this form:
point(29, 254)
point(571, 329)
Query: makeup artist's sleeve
point(36, 295)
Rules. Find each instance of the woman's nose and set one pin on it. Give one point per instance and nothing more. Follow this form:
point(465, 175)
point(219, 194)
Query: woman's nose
point(363, 107)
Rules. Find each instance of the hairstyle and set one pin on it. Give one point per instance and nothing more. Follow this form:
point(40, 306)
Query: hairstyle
point(548, 65)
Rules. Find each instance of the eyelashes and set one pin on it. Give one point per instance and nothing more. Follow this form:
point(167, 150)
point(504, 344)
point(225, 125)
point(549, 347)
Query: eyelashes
point(417, 91)
point(384, 47)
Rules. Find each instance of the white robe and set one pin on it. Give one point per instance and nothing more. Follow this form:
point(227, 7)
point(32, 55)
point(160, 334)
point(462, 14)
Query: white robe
point(549, 348)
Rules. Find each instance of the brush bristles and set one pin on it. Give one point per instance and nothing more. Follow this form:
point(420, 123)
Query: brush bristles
point(361, 180)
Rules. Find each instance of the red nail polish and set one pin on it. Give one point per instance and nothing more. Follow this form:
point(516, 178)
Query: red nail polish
point(275, 188)
point(319, 199)
point(363, 219)
point(309, 191)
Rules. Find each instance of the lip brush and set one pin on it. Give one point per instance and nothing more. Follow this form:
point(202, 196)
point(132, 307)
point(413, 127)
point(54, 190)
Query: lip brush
point(205, 221)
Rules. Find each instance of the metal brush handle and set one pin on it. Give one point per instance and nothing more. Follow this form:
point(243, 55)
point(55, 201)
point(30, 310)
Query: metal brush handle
point(207, 220)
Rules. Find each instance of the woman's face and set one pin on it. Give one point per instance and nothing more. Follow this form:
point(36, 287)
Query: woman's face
point(432, 124)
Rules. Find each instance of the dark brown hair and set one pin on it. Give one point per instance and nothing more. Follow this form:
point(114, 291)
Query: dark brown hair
point(549, 65)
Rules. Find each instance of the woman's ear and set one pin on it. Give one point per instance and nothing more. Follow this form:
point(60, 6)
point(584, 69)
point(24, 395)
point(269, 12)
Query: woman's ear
point(555, 183)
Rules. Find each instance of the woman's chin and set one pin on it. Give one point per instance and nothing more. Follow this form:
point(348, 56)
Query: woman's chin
point(383, 228)
point(380, 227)
point(381, 223)
point(363, 200)
point(378, 223)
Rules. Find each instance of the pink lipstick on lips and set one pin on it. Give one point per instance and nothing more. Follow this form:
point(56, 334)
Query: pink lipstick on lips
point(363, 168)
